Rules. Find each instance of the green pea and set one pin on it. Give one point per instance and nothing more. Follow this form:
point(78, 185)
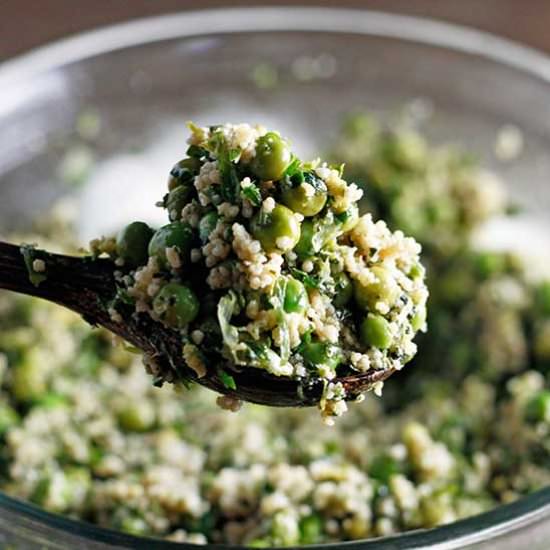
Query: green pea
point(435, 509)
point(375, 332)
point(137, 416)
point(296, 299)
point(51, 401)
point(176, 200)
point(311, 529)
point(272, 157)
point(384, 289)
point(175, 234)
point(343, 289)
point(29, 380)
point(132, 243)
point(183, 172)
point(321, 353)
point(305, 198)
point(349, 218)
point(407, 150)
point(176, 305)
point(490, 263)
point(538, 408)
point(383, 467)
point(419, 318)
point(134, 525)
point(277, 231)
point(304, 248)
point(207, 225)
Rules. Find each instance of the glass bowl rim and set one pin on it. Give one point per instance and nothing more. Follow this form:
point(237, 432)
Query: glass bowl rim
point(426, 31)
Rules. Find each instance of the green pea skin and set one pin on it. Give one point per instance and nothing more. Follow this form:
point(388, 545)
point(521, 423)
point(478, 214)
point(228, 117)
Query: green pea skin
point(311, 529)
point(375, 332)
point(207, 224)
point(280, 222)
point(137, 416)
point(132, 243)
point(183, 172)
point(296, 299)
point(272, 157)
point(407, 150)
point(176, 200)
point(343, 290)
point(298, 200)
point(51, 401)
point(176, 234)
point(384, 289)
point(29, 379)
point(383, 467)
point(321, 353)
point(419, 319)
point(134, 525)
point(304, 248)
point(538, 407)
point(176, 305)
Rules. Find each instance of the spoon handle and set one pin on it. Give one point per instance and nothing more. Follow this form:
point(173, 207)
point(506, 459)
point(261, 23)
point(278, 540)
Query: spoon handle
point(76, 283)
point(85, 285)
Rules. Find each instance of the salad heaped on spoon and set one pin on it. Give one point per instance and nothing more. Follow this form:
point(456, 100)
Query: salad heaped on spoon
point(264, 265)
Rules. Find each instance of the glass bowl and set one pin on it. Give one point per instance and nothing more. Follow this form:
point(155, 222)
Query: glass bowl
point(296, 69)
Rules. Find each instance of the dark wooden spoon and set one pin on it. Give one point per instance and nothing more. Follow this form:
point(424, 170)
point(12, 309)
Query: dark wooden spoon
point(87, 286)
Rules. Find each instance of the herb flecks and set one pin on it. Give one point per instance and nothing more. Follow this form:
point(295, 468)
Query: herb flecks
point(30, 255)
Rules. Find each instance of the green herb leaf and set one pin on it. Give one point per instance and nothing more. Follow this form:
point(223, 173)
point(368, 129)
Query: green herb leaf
point(122, 296)
point(317, 183)
point(131, 349)
point(227, 307)
point(230, 182)
point(227, 380)
point(302, 276)
point(234, 155)
point(251, 193)
point(325, 230)
point(278, 301)
point(29, 255)
point(294, 167)
point(258, 349)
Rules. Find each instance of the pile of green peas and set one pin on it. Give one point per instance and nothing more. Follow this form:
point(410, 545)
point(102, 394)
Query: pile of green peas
point(175, 303)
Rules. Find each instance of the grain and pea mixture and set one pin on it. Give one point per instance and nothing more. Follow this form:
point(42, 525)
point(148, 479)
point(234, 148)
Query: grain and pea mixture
point(291, 279)
point(83, 432)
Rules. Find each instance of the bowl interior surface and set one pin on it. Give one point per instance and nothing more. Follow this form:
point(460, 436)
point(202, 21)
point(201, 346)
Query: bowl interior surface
point(302, 81)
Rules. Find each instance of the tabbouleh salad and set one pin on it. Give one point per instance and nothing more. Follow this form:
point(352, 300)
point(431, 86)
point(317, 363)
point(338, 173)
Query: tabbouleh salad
point(464, 428)
point(291, 279)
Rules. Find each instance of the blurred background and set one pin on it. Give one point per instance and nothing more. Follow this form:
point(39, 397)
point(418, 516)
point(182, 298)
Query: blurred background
point(26, 24)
